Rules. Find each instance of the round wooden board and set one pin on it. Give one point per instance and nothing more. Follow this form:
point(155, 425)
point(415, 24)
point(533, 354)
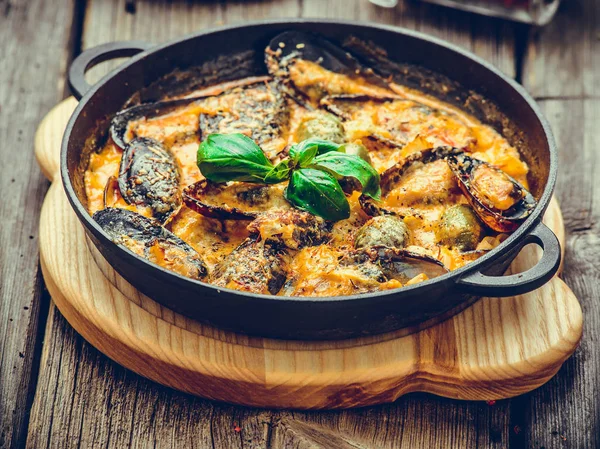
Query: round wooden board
point(496, 348)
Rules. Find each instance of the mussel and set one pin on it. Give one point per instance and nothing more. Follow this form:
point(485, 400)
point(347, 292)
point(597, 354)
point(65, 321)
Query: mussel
point(259, 111)
point(292, 228)
point(111, 192)
point(255, 266)
point(500, 202)
point(423, 177)
point(148, 239)
point(273, 219)
point(233, 201)
point(394, 123)
point(121, 129)
point(120, 124)
point(326, 271)
point(149, 176)
point(312, 67)
point(396, 264)
point(317, 271)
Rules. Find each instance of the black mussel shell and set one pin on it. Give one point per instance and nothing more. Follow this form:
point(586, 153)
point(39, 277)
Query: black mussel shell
point(120, 122)
point(149, 176)
point(259, 111)
point(341, 105)
point(255, 266)
point(291, 228)
point(393, 175)
point(464, 167)
point(402, 122)
point(396, 263)
point(233, 201)
point(145, 237)
point(292, 45)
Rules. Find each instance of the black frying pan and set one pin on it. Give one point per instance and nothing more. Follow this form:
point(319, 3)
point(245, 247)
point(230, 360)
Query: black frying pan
point(449, 72)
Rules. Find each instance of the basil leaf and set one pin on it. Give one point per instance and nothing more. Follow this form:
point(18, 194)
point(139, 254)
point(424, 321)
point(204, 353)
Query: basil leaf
point(319, 193)
point(350, 166)
point(279, 173)
point(305, 151)
point(232, 157)
point(306, 156)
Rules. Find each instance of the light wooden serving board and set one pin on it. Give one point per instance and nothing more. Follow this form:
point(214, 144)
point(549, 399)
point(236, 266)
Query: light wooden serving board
point(497, 348)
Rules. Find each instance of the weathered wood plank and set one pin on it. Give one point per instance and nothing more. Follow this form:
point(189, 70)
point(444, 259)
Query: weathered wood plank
point(566, 411)
point(85, 400)
point(160, 21)
point(563, 58)
point(419, 420)
point(31, 82)
point(562, 64)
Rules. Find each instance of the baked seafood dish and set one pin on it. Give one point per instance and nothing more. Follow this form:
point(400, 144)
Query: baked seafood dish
point(323, 178)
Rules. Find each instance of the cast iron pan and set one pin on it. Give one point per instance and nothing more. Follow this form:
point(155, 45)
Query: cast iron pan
point(432, 64)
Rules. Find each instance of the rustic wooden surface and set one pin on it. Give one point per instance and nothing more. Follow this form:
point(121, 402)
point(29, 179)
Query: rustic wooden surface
point(497, 348)
point(85, 400)
point(31, 81)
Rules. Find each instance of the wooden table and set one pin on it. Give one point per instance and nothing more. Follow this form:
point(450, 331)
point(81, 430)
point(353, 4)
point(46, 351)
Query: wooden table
point(57, 391)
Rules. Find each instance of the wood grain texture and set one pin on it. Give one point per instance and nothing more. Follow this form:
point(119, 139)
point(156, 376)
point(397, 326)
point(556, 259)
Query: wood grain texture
point(31, 82)
point(566, 411)
point(495, 349)
point(562, 67)
point(563, 58)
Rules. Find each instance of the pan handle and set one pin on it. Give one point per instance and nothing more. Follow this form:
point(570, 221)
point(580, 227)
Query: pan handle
point(516, 284)
point(94, 56)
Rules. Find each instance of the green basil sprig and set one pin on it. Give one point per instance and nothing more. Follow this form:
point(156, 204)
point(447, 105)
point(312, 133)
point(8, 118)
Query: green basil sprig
point(314, 168)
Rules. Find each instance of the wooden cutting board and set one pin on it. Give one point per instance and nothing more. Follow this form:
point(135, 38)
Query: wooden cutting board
point(497, 348)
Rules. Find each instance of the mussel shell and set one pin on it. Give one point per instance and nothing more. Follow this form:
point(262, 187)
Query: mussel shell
point(141, 234)
point(111, 192)
point(341, 105)
point(291, 45)
point(292, 228)
point(254, 266)
point(394, 174)
point(463, 166)
point(149, 176)
point(396, 122)
point(120, 122)
point(259, 111)
point(234, 201)
point(396, 263)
